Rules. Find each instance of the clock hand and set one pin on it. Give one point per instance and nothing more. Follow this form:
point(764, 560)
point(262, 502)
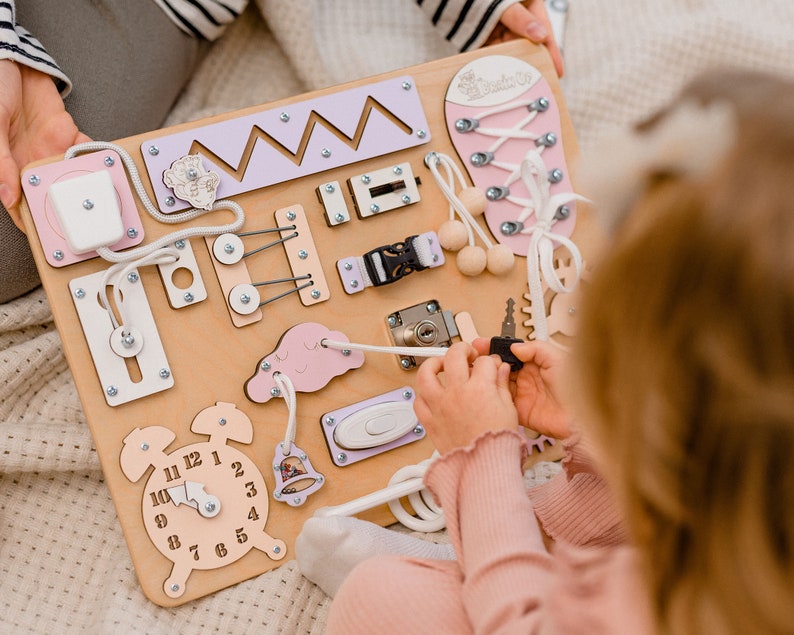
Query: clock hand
point(193, 495)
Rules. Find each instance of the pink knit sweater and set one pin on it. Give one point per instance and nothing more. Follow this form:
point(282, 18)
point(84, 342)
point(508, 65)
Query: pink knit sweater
point(504, 579)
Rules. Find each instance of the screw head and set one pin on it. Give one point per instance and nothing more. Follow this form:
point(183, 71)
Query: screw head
point(175, 587)
point(405, 364)
point(315, 294)
point(245, 298)
point(348, 266)
point(128, 340)
point(284, 116)
point(406, 85)
point(418, 429)
point(407, 394)
point(188, 297)
point(354, 283)
point(192, 174)
point(421, 133)
point(276, 549)
point(329, 187)
point(170, 201)
point(339, 217)
point(374, 207)
point(132, 232)
point(329, 420)
point(144, 446)
point(88, 204)
point(133, 277)
point(112, 391)
point(222, 421)
point(391, 320)
point(341, 457)
point(34, 179)
point(346, 352)
point(209, 506)
point(79, 293)
point(397, 170)
point(57, 254)
point(110, 161)
point(291, 215)
point(265, 365)
point(154, 150)
point(275, 392)
point(179, 244)
point(303, 254)
point(405, 199)
point(165, 373)
point(325, 152)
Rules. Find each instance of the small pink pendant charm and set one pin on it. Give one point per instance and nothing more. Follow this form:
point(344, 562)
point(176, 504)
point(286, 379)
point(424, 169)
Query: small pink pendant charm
point(296, 478)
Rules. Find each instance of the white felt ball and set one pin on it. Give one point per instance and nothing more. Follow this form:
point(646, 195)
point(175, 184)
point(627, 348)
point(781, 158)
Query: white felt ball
point(500, 259)
point(453, 235)
point(473, 199)
point(471, 260)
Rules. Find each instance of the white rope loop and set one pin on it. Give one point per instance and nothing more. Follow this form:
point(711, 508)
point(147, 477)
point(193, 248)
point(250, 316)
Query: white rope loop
point(413, 351)
point(287, 390)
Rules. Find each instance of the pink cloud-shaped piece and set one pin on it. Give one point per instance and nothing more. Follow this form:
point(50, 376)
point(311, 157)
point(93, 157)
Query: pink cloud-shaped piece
point(301, 356)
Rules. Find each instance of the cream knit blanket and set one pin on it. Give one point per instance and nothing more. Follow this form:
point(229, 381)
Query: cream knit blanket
point(64, 566)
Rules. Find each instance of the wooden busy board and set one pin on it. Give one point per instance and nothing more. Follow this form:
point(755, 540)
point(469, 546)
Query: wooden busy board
point(210, 358)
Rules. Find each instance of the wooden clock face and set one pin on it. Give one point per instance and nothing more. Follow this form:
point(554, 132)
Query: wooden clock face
point(205, 504)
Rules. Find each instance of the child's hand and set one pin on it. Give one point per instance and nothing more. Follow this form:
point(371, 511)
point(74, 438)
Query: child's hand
point(33, 125)
point(528, 20)
point(536, 387)
point(472, 396)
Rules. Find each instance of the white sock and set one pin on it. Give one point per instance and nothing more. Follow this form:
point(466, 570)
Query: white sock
point(328, 548)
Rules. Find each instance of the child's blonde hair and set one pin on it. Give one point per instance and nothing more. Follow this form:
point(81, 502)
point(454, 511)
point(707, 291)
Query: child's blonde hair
point(685, 366)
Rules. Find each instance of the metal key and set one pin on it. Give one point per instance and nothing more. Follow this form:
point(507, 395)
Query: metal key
point(500, 344)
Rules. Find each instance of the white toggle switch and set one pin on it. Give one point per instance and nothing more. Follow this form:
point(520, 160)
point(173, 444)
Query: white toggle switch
point(88, 211)
point(375, 425)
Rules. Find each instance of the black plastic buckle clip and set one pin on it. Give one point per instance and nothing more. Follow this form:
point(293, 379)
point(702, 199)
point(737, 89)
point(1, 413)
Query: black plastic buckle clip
point(393, 261)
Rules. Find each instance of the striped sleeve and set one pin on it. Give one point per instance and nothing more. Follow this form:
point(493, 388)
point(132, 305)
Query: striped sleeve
point(465, 23)
point(17, 44)
point(203, 18)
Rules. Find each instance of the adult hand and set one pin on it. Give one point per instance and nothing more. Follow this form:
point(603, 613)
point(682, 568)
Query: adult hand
point(472, 396)
point(529, 20)
point(536, 387)
point(33, 125)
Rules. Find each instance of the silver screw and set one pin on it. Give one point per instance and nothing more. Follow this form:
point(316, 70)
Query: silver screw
point(188, 296)
point(291, 215)
point(407, 394)
point(341, 457)
point(170, 201)
point(365, 178)
point(392, 320)
point(421, 133)
point(112, 391)
point(128, 340)
point(179, 244)
point(79, 293)
point(315, 294)
point(192, 174)
point(88, 204)
point(132, 277)
point(165, 373)
point(175, 587)
point(329, 187)
point(221, 421)
point(57, 254)
point(154, 150)
point(144, 446)
point(405, 364)
point(418, 430)
point(132, 232)
point(406, 85)
point(339, 217)
point(431, 307)
point(110, 162)
point(397, 170)
point(276, 549)
point(209, 506)
point(405, 199)
point(265, 365)
point(348, 266)
point(326, 152)
point(245, 298)
point(275, 392)
point(33, 179)
point(375, 207)
point(297, 500)
point(354, 283)
point(346, 352)
point(303, 254)
point(284, 117)
point(228, 248)
point(329, 421)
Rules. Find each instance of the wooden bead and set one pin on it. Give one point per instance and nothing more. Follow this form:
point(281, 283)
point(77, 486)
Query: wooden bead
point(500, 259)
point(471, 260)
point(453, 235)
point(473, 199)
